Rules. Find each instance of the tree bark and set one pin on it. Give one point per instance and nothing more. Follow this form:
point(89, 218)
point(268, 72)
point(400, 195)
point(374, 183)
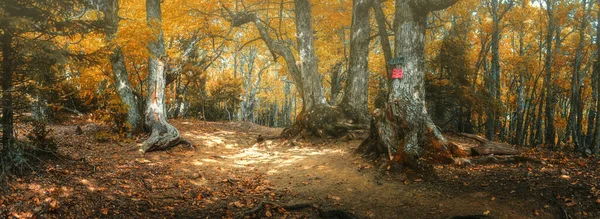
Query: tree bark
point(550, 131)
point(119, 69)
point(7, 89)
point(355, 101)
point(576, 106)
point(595, 146)
point(382, 29)
point(164, 135)
point(403, 131)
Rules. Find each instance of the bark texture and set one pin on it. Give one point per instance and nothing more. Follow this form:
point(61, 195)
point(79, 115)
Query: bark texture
point(403, 130)
point(549, 86)
point(7, 85)
point(164, 135)
point(355, 101)
point(117, 60)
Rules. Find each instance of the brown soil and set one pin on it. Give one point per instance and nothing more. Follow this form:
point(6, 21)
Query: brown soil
point(230, 173)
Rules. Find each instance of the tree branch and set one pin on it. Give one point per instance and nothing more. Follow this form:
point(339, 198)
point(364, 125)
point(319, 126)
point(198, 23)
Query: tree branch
point(432, 5)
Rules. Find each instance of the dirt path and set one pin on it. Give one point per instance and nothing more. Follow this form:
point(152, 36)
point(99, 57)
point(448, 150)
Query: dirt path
point(229, 174)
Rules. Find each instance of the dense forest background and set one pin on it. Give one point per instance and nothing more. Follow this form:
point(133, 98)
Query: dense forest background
point(524, 72)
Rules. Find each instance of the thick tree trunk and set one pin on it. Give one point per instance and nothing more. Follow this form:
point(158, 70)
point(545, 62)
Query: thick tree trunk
point(7, 86)
point(117, 60)
point(317, 116)
point(403, 131)
point(355, 101)
point(164, 135)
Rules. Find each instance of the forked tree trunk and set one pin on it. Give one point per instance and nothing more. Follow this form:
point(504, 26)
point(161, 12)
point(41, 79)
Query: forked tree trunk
point(317, 116)
point(403, 131)
point(355, 101)
point(117, 60)
point(164, 135)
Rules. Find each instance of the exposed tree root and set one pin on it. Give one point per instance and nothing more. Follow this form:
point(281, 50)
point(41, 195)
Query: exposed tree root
point(400, 143)
point(260, 210)
point(163, 138)
point(324, 122)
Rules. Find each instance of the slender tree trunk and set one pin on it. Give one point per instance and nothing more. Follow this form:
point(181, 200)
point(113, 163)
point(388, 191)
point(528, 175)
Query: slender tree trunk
point(402, 131)
point(493, 79)
point(164, 135)
point(382, 29)
point(355, 101)
point(549, 86)
point(595, 146)
point(117, 60)
point(576, 107)
point(7, 89)
point(336, 82)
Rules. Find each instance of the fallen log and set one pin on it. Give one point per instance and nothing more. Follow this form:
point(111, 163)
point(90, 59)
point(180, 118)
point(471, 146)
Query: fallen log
point(494, 148)
point(487, 147)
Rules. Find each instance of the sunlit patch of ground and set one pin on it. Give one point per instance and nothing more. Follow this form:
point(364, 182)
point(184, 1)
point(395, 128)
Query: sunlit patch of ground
point(231, 173)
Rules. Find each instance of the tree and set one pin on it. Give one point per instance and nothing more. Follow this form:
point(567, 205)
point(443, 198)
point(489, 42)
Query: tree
point(355, 103)
point(402, 131)
point(30, 41)
point(317, 116)
point(493, 78)
point(119, 69)
point(164, 135)
point(549, 86)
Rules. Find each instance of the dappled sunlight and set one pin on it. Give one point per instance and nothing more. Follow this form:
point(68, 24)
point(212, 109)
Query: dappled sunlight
point(89, 185)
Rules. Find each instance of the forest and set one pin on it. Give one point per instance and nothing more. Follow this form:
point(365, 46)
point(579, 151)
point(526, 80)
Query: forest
point(300, 108)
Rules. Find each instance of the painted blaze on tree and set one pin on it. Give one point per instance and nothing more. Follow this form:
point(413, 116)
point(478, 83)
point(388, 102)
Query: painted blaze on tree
point(403, 131)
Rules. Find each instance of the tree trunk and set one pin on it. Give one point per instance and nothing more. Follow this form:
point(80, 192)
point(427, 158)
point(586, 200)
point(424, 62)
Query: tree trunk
point(493, 79)
point(550, 131)
point(7, 86)
point(316, 116)
point(576, 108)
point(383, 35)
point(595, 146)
point(403, 131)
point(355, 101)
point(164, 135)
point(117, 60)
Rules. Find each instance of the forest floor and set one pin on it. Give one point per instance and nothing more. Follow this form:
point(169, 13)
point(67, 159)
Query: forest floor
point(229, 174)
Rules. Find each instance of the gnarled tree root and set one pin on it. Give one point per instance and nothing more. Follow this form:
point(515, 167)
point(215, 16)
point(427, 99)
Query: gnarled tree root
point(398, 143)
point(163, 139)
point(257, 211)
point(324, 122)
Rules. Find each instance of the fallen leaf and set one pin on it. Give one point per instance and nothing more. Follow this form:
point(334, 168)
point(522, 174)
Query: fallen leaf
point(334, 197)
point(536, 213)
point(570, 203)
point(598, 201)
point(104, 211)
point(565, 177)
point(486, 212)
point(268, 214)
point(493, 198)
